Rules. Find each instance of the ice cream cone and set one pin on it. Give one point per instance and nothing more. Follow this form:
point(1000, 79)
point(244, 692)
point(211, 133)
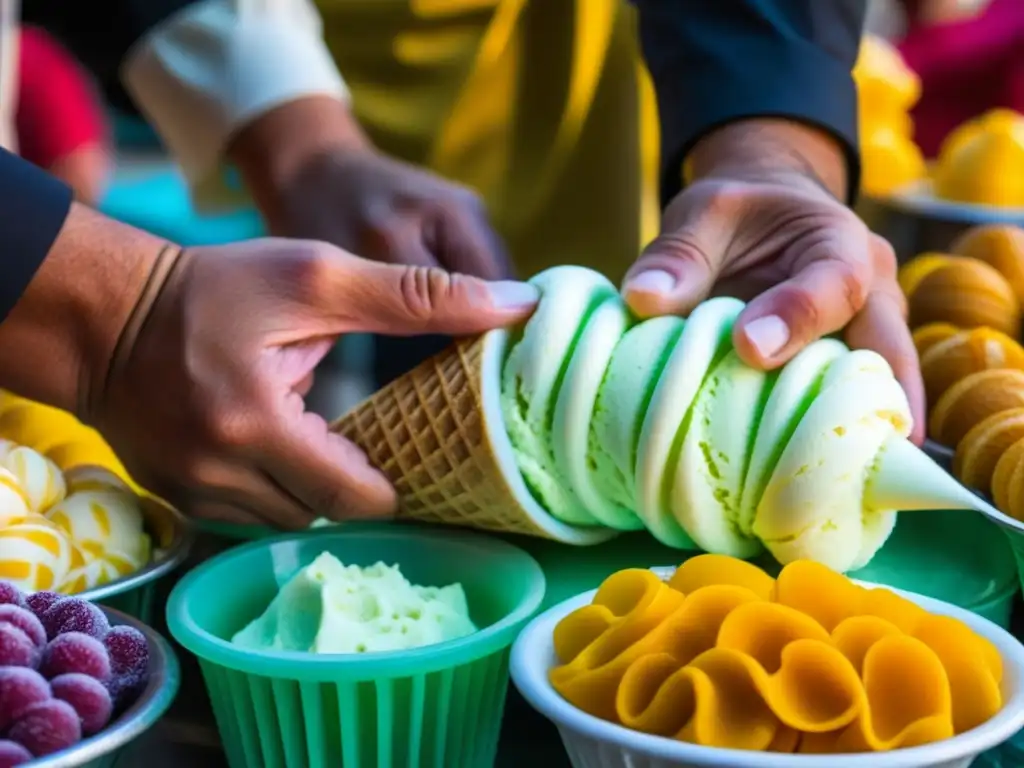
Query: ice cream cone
point(906, 478)
point(438, 434)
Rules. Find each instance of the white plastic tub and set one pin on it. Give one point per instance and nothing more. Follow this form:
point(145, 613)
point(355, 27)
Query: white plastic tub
point(595, 743)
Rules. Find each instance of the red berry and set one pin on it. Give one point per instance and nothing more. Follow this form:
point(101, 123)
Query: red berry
point(129, 661)
point(75, 652)
point(17, 648)
point(87, 696)
point(10, 594)
point(47, 728)
point(25, 620)
point(20, 688)
point(71, 614)
point(40, 602)
point(12, 754)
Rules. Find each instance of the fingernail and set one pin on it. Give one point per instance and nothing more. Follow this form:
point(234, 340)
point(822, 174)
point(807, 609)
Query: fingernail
point(768, 334)
point(510, 294)
point(655, 281)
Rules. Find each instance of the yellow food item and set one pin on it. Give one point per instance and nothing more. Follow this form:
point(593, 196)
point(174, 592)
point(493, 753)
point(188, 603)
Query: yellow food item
point(967, 293)
point(999, 245)
point(34, 555)
point(890, 161)
point(972, 400)
point(914, 271)
point(1002, 476)
point(982, 161)
point(981, 448)
point(928, 335)
point(946, 362)
point(886, 87)
point(809, 662)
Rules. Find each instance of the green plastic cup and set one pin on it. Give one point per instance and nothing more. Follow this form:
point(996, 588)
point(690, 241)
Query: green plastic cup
point(437, 706)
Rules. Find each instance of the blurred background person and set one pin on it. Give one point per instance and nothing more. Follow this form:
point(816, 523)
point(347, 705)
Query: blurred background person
point(59, 116)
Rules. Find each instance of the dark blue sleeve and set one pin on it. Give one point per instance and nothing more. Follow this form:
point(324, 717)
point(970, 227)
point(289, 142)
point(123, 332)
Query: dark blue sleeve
point(718, 61)
point(33, 207)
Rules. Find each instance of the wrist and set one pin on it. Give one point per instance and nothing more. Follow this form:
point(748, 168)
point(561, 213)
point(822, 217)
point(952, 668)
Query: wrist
point(767, 148)
point(274, 149)
point(58, 341)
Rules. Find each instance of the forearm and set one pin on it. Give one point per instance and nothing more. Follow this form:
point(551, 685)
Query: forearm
point(272, 150)
point(717, 63)
point(70, 282)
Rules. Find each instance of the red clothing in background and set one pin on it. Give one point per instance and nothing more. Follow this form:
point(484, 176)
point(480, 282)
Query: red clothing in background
point(58, 109)
point(966, 68)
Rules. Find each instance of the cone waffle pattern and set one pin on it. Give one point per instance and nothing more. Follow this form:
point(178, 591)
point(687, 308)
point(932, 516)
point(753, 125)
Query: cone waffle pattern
point(426, 432)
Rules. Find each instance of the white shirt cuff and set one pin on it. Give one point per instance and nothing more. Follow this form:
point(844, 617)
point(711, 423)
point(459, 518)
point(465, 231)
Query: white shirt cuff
point(208, 71)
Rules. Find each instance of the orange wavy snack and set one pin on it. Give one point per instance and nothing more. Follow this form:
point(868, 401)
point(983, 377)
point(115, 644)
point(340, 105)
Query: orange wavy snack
point(704, 570)
point(999, 245)
point(947, 362)
point(591, 678)
point(820, 666)
point(972, 400)
point(928, 335)
point(967, 293)
point(978, 452)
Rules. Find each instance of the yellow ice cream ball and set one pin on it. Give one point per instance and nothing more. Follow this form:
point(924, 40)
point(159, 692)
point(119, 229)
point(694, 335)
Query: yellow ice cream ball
point(982, 161)
point(101, 521)
point(92, 477)
point(35, 556)
point(14, 504)
point(41, 480)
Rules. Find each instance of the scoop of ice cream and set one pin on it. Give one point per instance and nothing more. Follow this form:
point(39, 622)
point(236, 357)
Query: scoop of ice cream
point(659, 424)
point(329, 607)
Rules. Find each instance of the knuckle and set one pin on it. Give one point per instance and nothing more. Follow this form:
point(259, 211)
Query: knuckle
point(424, 289)
point(801, 303)
point(724, 200)
point(884, 257)
point(229, 429)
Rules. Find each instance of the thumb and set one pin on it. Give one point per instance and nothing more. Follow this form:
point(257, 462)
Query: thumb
point(674, 273)
point(400, 300)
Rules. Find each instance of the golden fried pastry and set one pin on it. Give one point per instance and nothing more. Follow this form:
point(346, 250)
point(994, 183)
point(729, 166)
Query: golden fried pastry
point(967, 293)
point(972, 400)
point(946, 362)
point(999, 245)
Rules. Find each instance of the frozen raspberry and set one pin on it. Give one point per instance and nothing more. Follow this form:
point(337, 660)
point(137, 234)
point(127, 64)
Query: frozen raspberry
point(75, 652)
point(25, 620)
point(74, 615)
point(89, 698)
point(40, 602)
point(20, 688)
point(12, 754)
point(47, 728)
point(10, 594)
point(17, 648)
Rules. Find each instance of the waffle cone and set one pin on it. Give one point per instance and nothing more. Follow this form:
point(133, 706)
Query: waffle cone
point(438, 435)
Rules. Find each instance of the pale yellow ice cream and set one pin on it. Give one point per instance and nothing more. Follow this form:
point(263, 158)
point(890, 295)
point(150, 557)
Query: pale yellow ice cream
point(659, 424)
point(329, 607)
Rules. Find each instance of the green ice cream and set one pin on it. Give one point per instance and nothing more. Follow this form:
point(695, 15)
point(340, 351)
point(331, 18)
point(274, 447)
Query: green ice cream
point(658, 424)
point(329, 607)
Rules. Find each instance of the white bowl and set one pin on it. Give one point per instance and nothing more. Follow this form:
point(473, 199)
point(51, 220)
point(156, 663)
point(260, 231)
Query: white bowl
point(595, 743)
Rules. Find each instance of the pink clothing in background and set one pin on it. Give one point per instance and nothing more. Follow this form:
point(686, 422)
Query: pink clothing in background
point(966, 68)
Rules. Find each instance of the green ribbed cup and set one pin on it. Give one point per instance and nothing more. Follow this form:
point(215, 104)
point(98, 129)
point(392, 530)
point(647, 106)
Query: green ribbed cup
point(432, 707)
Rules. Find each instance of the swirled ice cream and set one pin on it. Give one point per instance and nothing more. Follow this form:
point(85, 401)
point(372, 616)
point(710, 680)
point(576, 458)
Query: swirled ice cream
point(659, 425)
point(330, 607)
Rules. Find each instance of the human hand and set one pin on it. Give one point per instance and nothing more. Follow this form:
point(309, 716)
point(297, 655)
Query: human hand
point(774, 234)
point(204, 396)
point(315, 175)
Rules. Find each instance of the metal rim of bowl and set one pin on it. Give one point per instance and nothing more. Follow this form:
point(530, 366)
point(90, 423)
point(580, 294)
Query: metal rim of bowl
point(172, 557)
point(153, 702)
point(918, 199)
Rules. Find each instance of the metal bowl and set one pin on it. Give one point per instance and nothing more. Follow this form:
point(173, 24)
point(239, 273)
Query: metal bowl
point(914, 221)
point(173, 537)
point(941, 454)
point(153, 702)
